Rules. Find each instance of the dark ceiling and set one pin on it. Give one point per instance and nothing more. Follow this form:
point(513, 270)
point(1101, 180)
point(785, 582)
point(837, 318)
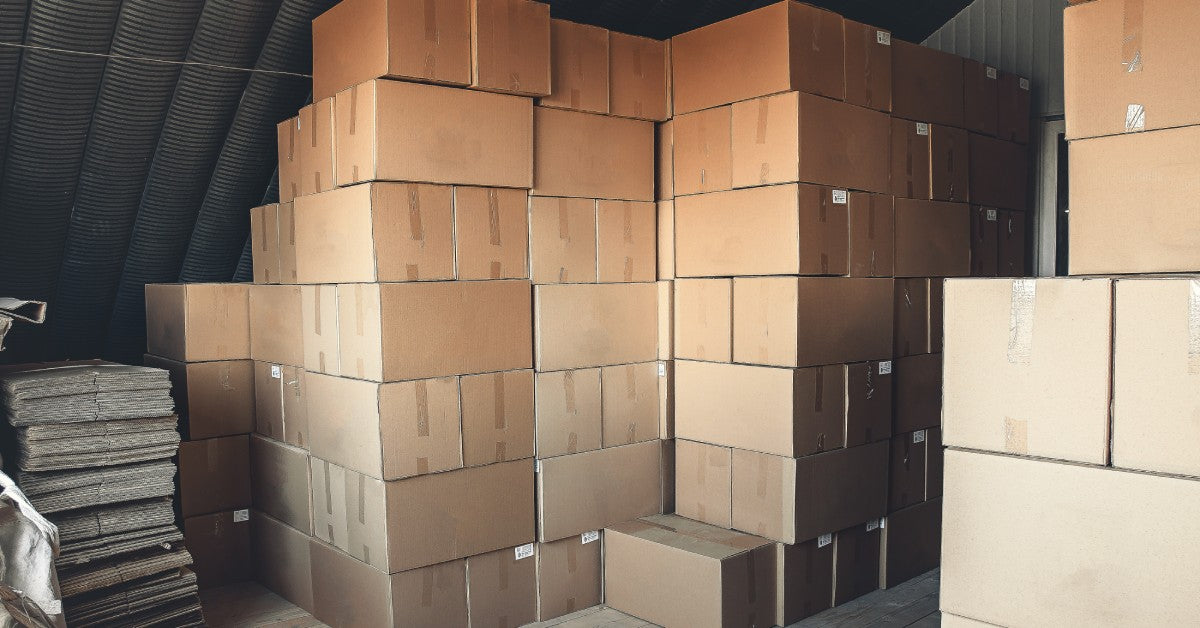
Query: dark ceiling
point(117, 171)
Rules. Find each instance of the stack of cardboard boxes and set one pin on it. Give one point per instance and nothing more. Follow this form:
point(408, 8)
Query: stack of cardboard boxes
point(1070, 403)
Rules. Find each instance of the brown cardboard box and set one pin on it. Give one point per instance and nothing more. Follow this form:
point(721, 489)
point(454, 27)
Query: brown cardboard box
point(936, 463)
point(562, 241)
point(314, 135)
point(592, 156)
point(927, 84)
point(704, 319)
point(491, 232)
point(579, 325)
point(219, 544)
point(664, 164)
point(1133, 201)
point(629, 400)
point(910, 163)
point(980, 97)
point(917, 392)
point(289, 151)
point(1028, 570)
point(776, 230)
point(393, 131)
point(949, 174)
point(908, 470)
point(805, 496)
point(275, 324)
point(569, 574)
point(410, 523)
point(264, 237)
point(677, 572)
point(666, 399)
point(510, 47)
point(214, 475)
point(872, 235)
point(282, 559)
point(913, 310)
point(625, 241)
point(1123, 65)
point(594, 489)
point(198, 322)
point(868, 66)
point(702, 145)
point(933, 238)
point(579, 67)
point(351, 593)
point(569, 412)
point(666, 239)
point(403, 331)
point(211, 398)
point(1011, 248)
point(811, 321)
point(912, 543)
point(360, 40)
point(376, 232)
point(868, 402)
point(1027, 367)
point(936, 313)
point(985, 241)
point(502, 587)
point(856, 558)
point(803, 579)
point(666, 317)
point(801, 137)
point(999, 170)
point(320, 319)
point(280, 482)
point(281, 403)
point(788, 412)
point(638, 68)
point(386, 431)
point(497, 417)
point(703, 482)
point(287, 242)
point(1013, 109)
point(782, 47)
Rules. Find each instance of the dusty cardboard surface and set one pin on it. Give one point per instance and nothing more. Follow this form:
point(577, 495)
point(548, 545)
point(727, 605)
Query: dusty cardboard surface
point(211, 398)
point(198, 322)
point(280, 483)
point(569, 574)
point(639, 82)
point(868, 66)
point(592, 156)
point(579, 67)
point(282, 559)
point(591, 490)
point(703, 482)
point(927, 84)
point(275, 324)
point(510, 47)
point(569, 411)
point(214, 475)
point(219, 544)
point(703, 321)
point(497, 417)
point(581, 325)
point(502, 587)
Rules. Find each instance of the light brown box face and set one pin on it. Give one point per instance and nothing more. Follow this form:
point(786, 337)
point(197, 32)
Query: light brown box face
point(570, 575)
point(907, 470)
point(214, 475)
point(998, 172)
point(502, 587)
point(803, 580)
point(980, 98)
point(704, 319)
point(926, 84)
point(510, 46)
point(910, 159)
point(664, 161)
point(211, 398)
point(868, 402)
point(491, 232)
point(1013, 108)
point(220, 543)
point(264, 242)
point(932, 238)
point(287, 242)
point(872, 229)
point(703, 480)
point(701, 151)
point(666, 240)
point(592, 156)
point(913, 310)
point(497, 417)
point(579, 67)
point(593, 489)
point(638, 77)
point(268, 400)
point(414, 132)
point(911, 544)
point(666, 318)
point(289, 160)
point(985, 241)
point(949, 174)
point(629, 400)
point(625, 234)
point(1027, 367)
point(581, 325)
point(282, 559)
point(562, 240)
point(569, 412)
point(198, 322)
point(295, 406)
point(365, 39)
point(314, 133)
point(320, 319)
point(275, 324)
point(856, 562)
point(280, 482)
point(868, 66)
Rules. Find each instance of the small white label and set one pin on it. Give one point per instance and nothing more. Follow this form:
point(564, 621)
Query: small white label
point(991, 72)
point(241, 515)
point(537, 466)
point(885, 367)
point(873, 525)
point(918, 437)
point(1025, 84)
point(276, 372)
point(662, 369)
point(839, 197)
point(922, 128)
point(523, 551)
point(825, 539)
point(883, 37)
point(991, 215)
point(589, 537)
point(882, 522)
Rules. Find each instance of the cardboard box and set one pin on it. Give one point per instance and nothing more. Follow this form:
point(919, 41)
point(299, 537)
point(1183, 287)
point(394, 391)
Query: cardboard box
point(393, 131)
point(211, 398)
point(491, 233)
point(806, 497)
point(497, 417)
point(1114, 227)
point(666, 317)
point(999, 173)
point(579, 67)
point(314, 133)
point(935, 464)
point(579, 325)
point(198, 322)
point(280, 482)
point(403, 331)
point(666, 239)
point(782, 47)
point(629, 399)
point(912, 543)
point(872, 235)
point(281, 403)
point(980, 97)
point(264, 243)
point(868, 402)
point(214, 475)
point(289, 159)
point(365, 39)
point(702, 145)
point(927, 84)
point(936, 314)
point(776, 230)
point(502, 587)
point(282, 559)
point(597, 616)
point(404, 524)
point(1013, 109)
point(1012, 244)
point(677, 572)
point(510, 47)
point(668, 471)
point(704, 482)
point(856, 558)
point(351, 593)
point(949, 172)
point(868, 66)
point(788, 412)
point(594, 489)
point(319, 316)
point(287, 242)
point(275, 324)
point(562, 241)
point(910, 163)
point(803, 580)
point(811, 321)
point(1027, 367)
point(914, 306)
point(638, 71)
point(664, 164)
point(801, 137)
point(1028, 570)
point(569, 575)
point(933, 238)
point(592, 156)
point(626, 241)
point(954, 621)
point(917, 392)
point(569, 412)
point(908, 471)
point(985, 241)
point(704, 319)
point(219, 544)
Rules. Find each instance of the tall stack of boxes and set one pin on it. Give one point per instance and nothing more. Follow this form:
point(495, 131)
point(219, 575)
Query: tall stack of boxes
point(1070, 402)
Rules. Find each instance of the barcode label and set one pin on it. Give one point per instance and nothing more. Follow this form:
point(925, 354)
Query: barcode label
point(1025, 84)
point(839, 197)
point(241, 515)
point(883, 37)
point(991, 72)
point(662, 369)
point(825, 539)
point(922, 128)
point(873, 525)
point(918, 437)
point(523, 551)
point(991, 215)
point(589, 537)
point(276, 372)
point(885, 367)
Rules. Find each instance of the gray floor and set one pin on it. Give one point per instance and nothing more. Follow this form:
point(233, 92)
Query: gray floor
point(914, 603)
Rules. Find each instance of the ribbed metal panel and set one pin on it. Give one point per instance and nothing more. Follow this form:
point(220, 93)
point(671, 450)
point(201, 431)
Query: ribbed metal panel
point(1019, 36)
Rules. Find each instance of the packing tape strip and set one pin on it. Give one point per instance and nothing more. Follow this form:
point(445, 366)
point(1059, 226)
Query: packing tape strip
point(431, 21)
point(1020, 322)
point(498, 402)
point(493, 201)
point(569, 392)
point(1131, 35)
point(1194, 326)
point(421, 390)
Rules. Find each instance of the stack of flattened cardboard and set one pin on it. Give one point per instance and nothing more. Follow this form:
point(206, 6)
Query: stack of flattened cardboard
point(94, 446)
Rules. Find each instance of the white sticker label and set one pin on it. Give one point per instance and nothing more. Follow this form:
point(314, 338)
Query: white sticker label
point(589, 537)
point(276, 372)
point(991, 72)
point(885, 367)
point(241, 515)
point(922, 128)
point(883, 37)
point(662, 369)
point(524, 551)
point(1025, 84)
point(918, 437)
point(839, 197)
point(873, 525)
point(882, 522)
point(824, 539)
point(537, 466)
point(991, 215)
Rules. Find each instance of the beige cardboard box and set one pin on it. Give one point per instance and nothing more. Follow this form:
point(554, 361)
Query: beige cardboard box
point(491, 233)
point(287, 242)
point(275, 324)
point(280, 482)
point(579, 67)
point(869, 389)
point(868, 66)
point(666, 239)
point(211, 398)
point(592, 156)
point(569, 412)
point(214, 475)
point(933, 238)
point(1027, 367)
point(856, 561)
point(579, 325)
point(594, 489)
point(704, 319)
point(281, 403)
point(803, 579)
point(927, 84)
point(703, 482)
point(314, 136)
point(911, 544)
point(562, 240)
point(569, 574)
point(917, 392)
point(629, 395)
point(701, 151)
point(502, 587)
point(264, 243)
point(198, 322)
point(639, 68)
point(497, 417)
point(664, 164)
point(626, 241)
point(320, 318)
point(289, 159)
point(872, 235)
point(219, 544)
point(282, 559)
point(666, 319)
point(954, 621)
point(510, 47)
